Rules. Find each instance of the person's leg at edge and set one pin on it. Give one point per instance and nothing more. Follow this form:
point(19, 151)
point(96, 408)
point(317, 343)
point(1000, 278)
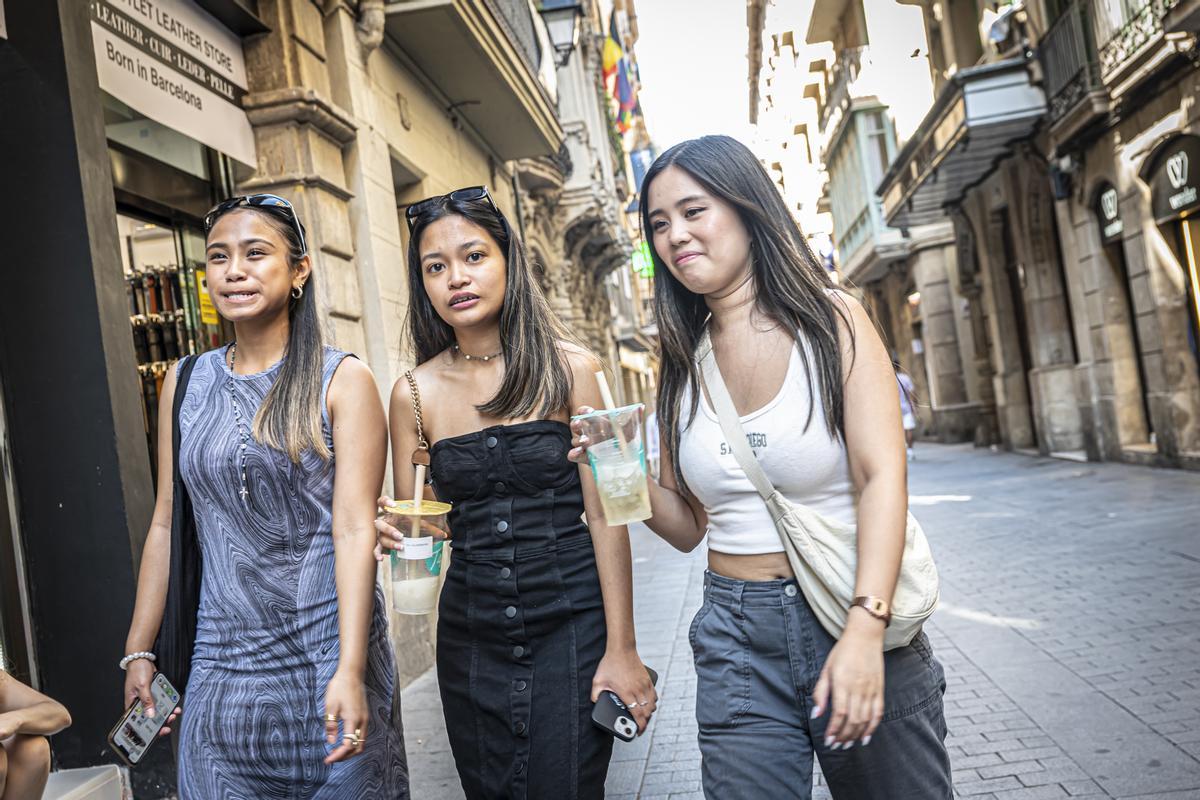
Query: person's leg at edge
point(28, 767)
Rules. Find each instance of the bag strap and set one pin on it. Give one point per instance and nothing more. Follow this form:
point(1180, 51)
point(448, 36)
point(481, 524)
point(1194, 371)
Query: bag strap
point(420, 456)
point(731, 425)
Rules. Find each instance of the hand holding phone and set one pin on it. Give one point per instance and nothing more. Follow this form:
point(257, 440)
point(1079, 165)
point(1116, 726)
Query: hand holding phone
point(136, 730)
point(611, 714)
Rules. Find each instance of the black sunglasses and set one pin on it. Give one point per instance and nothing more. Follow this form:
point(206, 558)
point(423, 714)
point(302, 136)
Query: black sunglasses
point(268, 202)
point(413, 212)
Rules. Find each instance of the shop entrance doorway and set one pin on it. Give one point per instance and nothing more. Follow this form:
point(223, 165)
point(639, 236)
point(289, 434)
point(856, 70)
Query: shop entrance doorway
point(1188, 238)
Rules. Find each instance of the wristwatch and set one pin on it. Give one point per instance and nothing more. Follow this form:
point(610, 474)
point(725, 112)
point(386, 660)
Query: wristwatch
point(877, 607)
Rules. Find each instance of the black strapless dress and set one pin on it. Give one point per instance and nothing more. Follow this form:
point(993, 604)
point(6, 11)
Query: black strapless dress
point(521, 618)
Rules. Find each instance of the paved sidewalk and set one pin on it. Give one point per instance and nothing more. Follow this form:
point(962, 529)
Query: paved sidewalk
point(1069, 630)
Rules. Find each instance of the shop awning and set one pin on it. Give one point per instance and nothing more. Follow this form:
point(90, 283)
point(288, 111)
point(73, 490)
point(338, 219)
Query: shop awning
point(970, 129)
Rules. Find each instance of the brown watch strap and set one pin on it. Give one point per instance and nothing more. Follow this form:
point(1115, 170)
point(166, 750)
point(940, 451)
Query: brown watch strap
point(877, 607)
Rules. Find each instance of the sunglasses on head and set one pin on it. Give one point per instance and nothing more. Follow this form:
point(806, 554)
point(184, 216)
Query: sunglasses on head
point(269, 202)
point(414, 212)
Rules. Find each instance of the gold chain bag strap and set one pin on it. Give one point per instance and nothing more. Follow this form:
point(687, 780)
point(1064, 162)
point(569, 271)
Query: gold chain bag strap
point(822, 551)
point(420, 456)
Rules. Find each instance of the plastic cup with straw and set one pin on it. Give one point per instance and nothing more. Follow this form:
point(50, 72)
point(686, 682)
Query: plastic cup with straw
point(617, 457)
point(416, 568)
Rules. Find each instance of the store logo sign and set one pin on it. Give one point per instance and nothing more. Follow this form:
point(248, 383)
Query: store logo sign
point(1177, 169)
point(1108, 203)
point(1107, 210)
point(1177, 174)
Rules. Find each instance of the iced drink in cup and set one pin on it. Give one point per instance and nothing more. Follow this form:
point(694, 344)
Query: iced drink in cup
point(618, 458)
point(416, 570)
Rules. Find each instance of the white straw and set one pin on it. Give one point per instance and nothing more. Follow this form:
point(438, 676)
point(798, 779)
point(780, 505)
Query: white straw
point(418, 497)
point(605, 392)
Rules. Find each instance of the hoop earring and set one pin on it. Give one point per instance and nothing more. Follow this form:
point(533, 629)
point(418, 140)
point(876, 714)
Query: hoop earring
point(297, 292)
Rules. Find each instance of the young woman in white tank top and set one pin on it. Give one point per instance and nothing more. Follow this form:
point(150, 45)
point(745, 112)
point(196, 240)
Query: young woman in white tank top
point(817, 396)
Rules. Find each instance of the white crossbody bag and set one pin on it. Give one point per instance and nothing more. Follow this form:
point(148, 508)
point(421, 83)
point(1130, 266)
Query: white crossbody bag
point(823, 552)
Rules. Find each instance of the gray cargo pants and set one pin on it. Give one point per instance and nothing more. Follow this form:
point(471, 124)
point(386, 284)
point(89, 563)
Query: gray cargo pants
point(759, 651)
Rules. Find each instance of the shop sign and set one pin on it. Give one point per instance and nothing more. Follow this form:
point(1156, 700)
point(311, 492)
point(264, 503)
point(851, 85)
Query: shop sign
point(173, 62)
point(208, 312)
point(1174, 188)
point(1108, 214)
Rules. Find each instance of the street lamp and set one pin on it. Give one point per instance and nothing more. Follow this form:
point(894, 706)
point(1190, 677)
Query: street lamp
point(562, 24)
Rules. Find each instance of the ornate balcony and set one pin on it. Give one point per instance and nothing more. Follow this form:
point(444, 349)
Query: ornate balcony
point(1076, 94)
point(1130, 40)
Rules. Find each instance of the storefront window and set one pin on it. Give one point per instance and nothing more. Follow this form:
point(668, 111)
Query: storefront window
point(134, 130)
point(170, 314)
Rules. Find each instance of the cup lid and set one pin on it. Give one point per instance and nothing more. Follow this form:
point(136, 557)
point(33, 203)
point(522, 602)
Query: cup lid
point(604, 412)
point(426, 508)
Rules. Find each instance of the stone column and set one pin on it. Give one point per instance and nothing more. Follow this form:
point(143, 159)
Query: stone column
point(1047, 312)
point(1013, 408)
point(301, 136)
point(930, 267)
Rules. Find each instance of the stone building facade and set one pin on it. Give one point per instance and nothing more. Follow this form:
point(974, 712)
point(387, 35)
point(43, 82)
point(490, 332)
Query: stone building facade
point(1059, 145)
point(835, 94)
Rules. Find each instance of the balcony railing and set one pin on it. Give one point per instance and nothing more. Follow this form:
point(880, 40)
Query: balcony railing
point(1069, 59)
point(516, 16)
point(1124, 30)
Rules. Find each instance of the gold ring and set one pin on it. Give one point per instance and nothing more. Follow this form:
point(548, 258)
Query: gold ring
point(350, 738)
point(331, 718)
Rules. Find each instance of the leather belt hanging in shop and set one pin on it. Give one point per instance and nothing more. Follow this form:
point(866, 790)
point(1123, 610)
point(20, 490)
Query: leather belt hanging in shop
point(164, 319)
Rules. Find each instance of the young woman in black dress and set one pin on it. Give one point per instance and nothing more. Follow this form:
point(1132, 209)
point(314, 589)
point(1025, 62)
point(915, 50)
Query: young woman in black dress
point(536, 615)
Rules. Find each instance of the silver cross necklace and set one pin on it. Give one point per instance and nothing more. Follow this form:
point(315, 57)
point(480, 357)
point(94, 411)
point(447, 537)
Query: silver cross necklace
point(243, 433)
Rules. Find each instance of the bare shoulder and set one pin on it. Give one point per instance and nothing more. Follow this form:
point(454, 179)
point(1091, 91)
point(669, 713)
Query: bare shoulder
point(428, 376)
point(351, 375)
point(580, 360)
point(851, 313)
point(352, 383)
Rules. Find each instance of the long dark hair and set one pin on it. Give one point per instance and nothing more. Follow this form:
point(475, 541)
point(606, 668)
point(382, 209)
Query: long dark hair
point(289, 418)
point(536, 376)
point(791, 288)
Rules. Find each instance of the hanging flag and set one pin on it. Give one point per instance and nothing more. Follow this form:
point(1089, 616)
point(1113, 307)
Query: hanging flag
point(612, 52)
point(626, 88)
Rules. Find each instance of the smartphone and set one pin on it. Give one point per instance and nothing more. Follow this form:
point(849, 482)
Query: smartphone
point(134, 732)
point(613, 716)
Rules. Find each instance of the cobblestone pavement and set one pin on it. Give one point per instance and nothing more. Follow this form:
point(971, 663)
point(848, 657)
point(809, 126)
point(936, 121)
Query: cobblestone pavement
point(1069, 630)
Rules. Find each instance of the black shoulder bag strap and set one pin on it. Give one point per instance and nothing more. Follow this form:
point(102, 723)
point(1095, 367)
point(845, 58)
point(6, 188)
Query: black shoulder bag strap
point(177, 633)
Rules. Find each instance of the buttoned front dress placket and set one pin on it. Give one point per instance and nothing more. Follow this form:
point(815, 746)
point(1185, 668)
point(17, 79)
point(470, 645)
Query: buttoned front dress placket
point(521, 620)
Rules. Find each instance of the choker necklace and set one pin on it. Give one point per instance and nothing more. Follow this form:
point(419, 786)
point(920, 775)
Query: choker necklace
point(470, 357)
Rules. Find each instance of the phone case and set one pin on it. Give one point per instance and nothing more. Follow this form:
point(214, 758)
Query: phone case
point(613, 716)
point(134, 732)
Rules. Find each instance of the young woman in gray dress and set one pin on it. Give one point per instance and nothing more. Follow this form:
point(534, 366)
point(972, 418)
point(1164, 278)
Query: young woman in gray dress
point(292, 687)
point(536, 615)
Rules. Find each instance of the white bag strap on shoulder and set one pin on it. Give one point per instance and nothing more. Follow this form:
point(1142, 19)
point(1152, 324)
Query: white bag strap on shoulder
point(731, 424)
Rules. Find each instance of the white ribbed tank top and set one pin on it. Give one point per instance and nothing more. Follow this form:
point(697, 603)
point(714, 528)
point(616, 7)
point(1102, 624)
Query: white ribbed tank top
point(808, 466)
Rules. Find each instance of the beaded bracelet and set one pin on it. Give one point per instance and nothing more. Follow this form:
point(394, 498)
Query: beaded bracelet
point(146, 654)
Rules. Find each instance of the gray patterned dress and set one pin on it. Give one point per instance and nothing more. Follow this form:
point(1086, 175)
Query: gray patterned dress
point(267, 634)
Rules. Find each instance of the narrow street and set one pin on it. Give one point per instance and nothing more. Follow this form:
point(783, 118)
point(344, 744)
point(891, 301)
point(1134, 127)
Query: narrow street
point(1068, 630)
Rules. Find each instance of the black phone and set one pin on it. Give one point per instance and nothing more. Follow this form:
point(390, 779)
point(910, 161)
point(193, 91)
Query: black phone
point(613, 716)
point(134, 732)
